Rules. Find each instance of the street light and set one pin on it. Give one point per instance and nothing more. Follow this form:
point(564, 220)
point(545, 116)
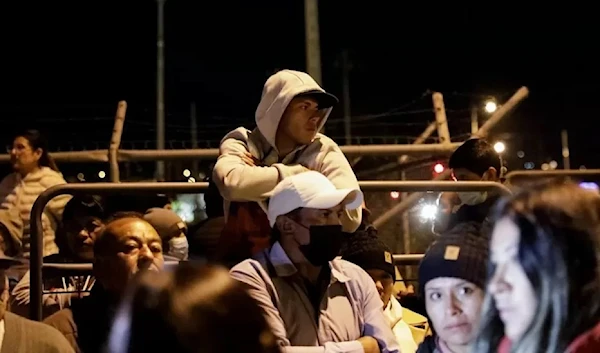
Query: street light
point(499, 147)
point(491, 106)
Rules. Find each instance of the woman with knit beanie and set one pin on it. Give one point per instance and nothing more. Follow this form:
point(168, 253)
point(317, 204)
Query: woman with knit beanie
point(452, 278)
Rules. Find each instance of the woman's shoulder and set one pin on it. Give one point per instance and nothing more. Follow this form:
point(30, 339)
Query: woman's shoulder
point(49, 177)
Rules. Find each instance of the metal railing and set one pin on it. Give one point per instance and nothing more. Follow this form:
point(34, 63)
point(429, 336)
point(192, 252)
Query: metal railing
point(36, 260)
point(520, 175)
point(408, 259)
point(37, 231)
point(124, 155)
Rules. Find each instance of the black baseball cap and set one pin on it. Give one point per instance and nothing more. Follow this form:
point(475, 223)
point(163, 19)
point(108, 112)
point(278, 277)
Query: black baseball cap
point(324, 99)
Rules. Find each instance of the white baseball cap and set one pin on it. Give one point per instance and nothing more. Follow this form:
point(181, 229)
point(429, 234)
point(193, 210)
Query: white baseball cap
point(309, 190)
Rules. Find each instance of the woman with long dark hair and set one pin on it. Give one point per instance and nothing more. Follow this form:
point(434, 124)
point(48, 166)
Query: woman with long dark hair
point(34, 172)
point(195, 309)
point(544, 286)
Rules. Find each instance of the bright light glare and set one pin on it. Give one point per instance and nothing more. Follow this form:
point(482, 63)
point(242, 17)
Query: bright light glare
point(499, 147)
point(589, 186)
point(438, 168)
point(101, 174)
point(191, 180)
point(394, 194)
point(187, 173)
point(428, 212)
point(491, 106)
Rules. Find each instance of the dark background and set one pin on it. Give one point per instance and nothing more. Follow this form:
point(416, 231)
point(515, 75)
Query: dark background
point(72, 61)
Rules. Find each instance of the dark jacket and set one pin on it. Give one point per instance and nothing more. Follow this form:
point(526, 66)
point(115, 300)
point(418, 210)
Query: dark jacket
point(475, 214)
point(86, 324)
point(428, 345)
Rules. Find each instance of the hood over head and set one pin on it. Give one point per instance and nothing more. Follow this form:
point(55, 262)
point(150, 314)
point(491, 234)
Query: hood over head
point(277, 93)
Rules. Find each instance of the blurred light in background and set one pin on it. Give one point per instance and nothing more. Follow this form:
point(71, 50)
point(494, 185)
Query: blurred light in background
point(589, 186)
point(428, 212)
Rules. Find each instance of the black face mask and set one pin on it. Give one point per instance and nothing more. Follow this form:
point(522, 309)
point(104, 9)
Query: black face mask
point(325, 244)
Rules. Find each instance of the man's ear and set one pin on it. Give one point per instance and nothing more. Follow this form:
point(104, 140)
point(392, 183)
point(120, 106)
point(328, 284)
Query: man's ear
point(492, 174)
point(285, 224)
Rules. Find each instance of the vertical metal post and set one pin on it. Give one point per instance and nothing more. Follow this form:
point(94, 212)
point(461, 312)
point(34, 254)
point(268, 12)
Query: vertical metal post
point(564, 138)
point(474, 120)
point(313, 42)
point(115, 142)
point(194, 136)
point(160, 88)
point(406, 232)
point(346, 97)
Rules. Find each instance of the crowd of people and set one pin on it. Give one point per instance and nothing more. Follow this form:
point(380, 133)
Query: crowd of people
point(289, 261)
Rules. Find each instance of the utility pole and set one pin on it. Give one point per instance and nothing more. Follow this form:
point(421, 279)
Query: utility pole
point(346, 66)
point(474, 120)
point(194, 136)
point(160, 88)
point(313, 42)
point(564, 138)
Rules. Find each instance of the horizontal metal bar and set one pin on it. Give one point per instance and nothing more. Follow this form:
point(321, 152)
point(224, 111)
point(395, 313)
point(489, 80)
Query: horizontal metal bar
point(83, 268)
point(410, 259)
point(93, 156)
point(435, 186)
point(410, 149)
point(154, 155)
point(213, 153)
point(530, 174)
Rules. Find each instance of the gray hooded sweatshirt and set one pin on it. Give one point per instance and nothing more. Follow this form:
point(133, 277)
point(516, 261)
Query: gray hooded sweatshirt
point(238, 181)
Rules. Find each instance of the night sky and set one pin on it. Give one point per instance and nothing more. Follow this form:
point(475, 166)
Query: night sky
point(66, 65)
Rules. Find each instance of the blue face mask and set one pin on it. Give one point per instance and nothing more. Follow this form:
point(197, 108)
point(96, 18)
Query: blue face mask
point(179, 248)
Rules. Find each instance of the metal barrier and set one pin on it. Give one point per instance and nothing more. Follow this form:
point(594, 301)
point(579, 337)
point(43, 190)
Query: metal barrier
point(408, 259)
point(37, 232)
point(36, 260)
point(532, 174)
point(435, 186)
point(124, 155)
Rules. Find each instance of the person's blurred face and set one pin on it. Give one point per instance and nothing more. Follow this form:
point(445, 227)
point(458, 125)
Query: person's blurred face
point(133, 245)
point(22, 156)
point(512, 291)
point(296, 232)
point(384, 283)
point(473, 197)
point(453, 306)
point(463, 174)
point(81, 233)
point(301, 120)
